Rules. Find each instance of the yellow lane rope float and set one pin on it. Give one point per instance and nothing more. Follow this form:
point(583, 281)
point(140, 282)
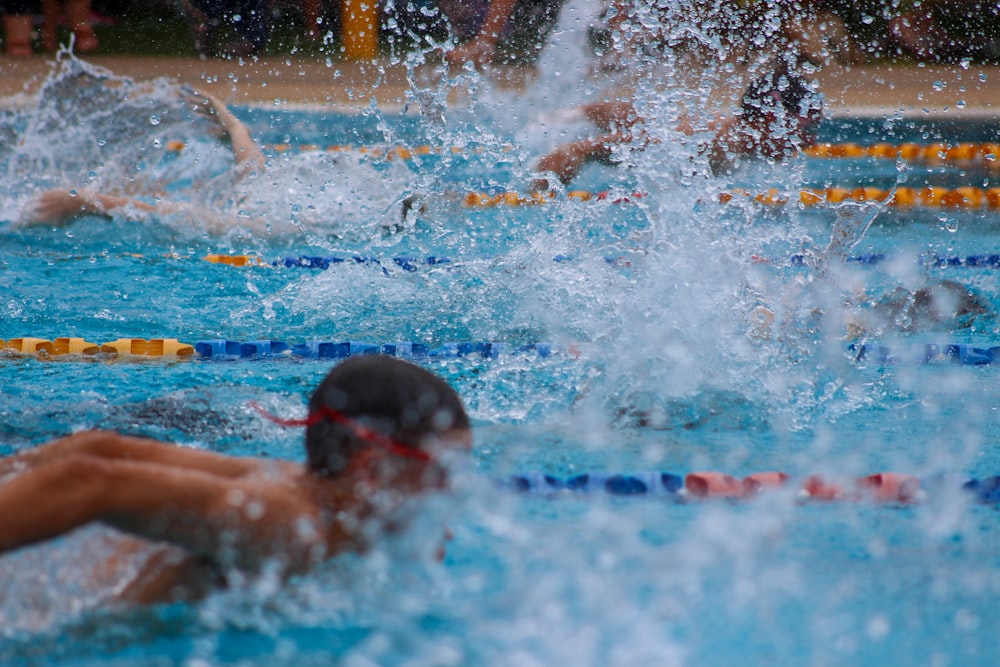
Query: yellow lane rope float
point(156, 347)
point(937, 153)
point(967, 197)
point(933, 154)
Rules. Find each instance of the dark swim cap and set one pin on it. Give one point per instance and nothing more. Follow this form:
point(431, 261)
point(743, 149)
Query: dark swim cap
point(780, 92)
point(395, 398)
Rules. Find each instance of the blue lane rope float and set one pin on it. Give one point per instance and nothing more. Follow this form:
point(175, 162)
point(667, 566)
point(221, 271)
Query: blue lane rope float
point(889, 487)
point(411, 263)
point(963, 354)
point(407, 263)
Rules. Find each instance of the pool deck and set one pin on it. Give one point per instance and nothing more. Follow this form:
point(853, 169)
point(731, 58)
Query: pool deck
point(870, 90)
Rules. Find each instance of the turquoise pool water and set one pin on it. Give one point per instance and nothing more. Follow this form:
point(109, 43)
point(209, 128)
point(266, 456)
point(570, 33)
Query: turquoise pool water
point(669, 377)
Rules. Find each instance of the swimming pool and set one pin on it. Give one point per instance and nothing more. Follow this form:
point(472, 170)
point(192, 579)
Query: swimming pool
point(654, 295)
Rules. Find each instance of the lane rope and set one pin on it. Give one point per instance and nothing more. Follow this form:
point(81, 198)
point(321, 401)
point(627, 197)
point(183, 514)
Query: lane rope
point(904, 197)
point(412, 263)
point(222, 349)
point(884, 487)
point(866, 352)
point(935, 153)
point(963, 354)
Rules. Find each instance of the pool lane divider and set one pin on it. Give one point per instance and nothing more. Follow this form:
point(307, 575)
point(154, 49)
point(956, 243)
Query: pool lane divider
point(221, 349)
point(375, 152)
point(904, 197)
point(883, 487)
point(866, 352)
point(407, 263)
point(936, 153)
point(961, 354)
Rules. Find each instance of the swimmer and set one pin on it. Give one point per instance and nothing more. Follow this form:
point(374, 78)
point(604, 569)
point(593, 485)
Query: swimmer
point(777, 117)
point(946, 303)
point(59, 207)
point(379, 431)
point(943, 304)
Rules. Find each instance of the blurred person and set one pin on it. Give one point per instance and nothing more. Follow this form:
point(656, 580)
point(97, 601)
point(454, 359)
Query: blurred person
point(499, 32)
point(18, 17)
point(949, 31)
point(777, 116)
point(77, 16)
point(244, 25)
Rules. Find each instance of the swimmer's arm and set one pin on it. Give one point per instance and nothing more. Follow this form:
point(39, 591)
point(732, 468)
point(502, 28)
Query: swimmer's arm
point(242, 522)
point(567, 160)
point(58, 207)
point(107, 445)
point(612, 114)
point(246, 152)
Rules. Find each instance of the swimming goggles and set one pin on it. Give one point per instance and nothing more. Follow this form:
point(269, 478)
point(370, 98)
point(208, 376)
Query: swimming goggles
point(363, 432)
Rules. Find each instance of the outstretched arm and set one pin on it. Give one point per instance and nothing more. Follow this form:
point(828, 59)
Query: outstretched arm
point(228, 520)
point(567, 160)
point(58, 207)
point(109, 446)
point(235, 520)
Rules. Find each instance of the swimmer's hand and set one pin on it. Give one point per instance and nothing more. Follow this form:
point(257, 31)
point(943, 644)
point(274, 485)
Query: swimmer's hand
point(59, 207)
point(246, 152)
point(566, 161)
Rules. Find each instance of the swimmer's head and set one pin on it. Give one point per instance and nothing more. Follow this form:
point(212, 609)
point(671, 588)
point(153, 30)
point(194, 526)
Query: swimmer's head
point(382, 404)
point(782, 97)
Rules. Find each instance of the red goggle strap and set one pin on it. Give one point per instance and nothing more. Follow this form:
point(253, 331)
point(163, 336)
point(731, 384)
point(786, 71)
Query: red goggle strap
point(360, 430)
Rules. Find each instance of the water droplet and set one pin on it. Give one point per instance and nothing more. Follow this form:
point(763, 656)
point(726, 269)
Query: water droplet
point(982, 77)
point(154, 120)
point(157, 143)
point(960, 104)
point(939, 85)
